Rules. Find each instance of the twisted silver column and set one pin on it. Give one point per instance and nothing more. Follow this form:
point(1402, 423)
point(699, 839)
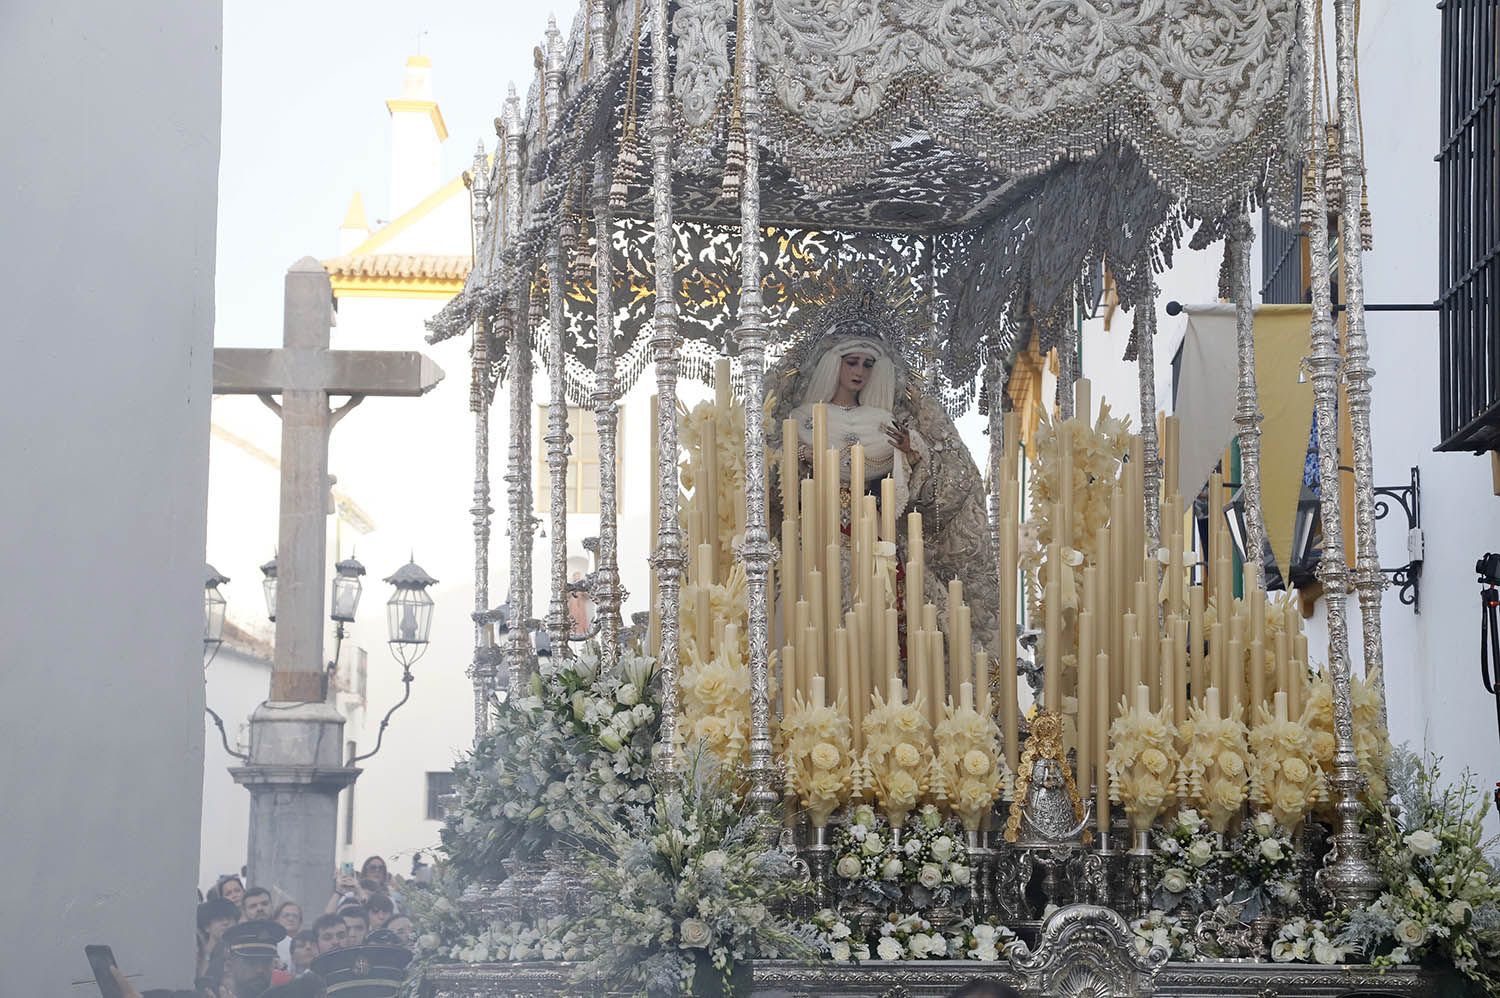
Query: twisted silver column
point(606, 418)
point(668, 560)
point(481, 669)
point(996, 379)
point(518, 478)
point(1368, 579)
point(606, 391)
point(1352, 877)
point(1145, 359)
point(557, 403)
point(1067, 367)
point(1247, 411)
point(751, 334)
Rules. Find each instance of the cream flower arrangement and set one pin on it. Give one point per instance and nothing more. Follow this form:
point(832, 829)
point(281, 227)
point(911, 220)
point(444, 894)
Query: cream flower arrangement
point(969, 765)
point(1143, 763)
point(819, 757)
point(1372, 743)
point(716, 705)
point(898, 755)
point(1215, 766)
point(1284, 776)
point(1098, 452)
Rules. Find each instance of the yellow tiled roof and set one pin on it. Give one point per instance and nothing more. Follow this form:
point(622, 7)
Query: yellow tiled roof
point(400, 266)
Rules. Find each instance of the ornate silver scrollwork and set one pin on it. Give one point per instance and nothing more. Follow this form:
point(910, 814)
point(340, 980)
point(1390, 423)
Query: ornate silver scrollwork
point(1086, 951)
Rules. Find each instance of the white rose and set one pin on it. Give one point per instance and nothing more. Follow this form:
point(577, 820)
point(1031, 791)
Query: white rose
point(986, 952)
point(858, 832)
point(930, 876)
point(1271, 850)
point(873, 845)
point(1187, 820)
point(942, 848)
point(848, 867)
point(1174, 881)
point(695, 934)
point(1265, 824)
point(912, 847)
point(960, 874)
point(889, 949)
point(891, 869)
point(1399, 955)
point(610, 740)
point(1457, 911)
point(628, 696)
point(839, 931)
point(839, 951)
point(1410, 933)
point(429, 940)
point(1200, 852)
point(1327, 953)
point(1422, 843)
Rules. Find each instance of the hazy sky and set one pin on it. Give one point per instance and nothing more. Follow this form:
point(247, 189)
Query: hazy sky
point(305, 123)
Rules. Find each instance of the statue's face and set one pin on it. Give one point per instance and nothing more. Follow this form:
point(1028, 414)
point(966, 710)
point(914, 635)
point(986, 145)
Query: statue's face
point(854, 371)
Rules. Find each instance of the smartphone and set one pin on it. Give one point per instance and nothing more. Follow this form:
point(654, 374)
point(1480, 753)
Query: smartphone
point(347, 869)
point(102, 961)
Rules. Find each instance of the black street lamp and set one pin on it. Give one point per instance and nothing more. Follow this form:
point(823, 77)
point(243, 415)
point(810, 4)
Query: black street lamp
point(408, 617)
point(213, 613)
point(268, 586)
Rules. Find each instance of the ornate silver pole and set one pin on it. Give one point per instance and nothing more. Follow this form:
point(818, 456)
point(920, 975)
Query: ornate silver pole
point(557, 405)
point(1067, 367)
point(1368, 579)
point(668, 561)
point(1247, 413)
point(605, 390)
point(1145, 359)
point(482, 670)
point(519, 477)
point(1351, 878)
point(764, 797)
point(996, 379)
point(606, 418)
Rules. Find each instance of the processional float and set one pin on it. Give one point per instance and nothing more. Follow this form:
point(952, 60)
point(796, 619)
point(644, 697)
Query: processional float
point(729, 190)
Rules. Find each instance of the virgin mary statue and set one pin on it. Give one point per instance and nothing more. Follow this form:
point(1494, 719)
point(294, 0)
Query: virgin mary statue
point(852, 357)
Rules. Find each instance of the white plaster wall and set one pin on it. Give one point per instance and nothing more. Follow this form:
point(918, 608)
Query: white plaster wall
point(1432, 662)
point(108, 281)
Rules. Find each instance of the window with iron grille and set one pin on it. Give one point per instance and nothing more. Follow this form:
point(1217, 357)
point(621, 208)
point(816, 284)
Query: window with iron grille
point(1469, 220)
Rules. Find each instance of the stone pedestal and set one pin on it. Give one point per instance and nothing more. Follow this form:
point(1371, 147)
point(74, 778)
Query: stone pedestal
point(294, 777)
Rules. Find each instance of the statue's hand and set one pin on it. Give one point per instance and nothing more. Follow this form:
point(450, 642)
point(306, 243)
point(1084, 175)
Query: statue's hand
point(901, 440)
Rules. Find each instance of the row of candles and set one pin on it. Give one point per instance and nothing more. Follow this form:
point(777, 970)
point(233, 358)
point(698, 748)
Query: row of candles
point(852, 641)
point(1122, 624)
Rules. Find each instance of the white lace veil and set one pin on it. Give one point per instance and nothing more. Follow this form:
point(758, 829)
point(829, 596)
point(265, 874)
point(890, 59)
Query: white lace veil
point(879, 391)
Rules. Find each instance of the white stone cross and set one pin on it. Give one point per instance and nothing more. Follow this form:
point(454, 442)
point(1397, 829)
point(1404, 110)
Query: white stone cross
point(305, 372)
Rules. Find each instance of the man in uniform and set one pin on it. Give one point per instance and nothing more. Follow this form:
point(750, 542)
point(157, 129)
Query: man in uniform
point(250, 949)
point(368, 971)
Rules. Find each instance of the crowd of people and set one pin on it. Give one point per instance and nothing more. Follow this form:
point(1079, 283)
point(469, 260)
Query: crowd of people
point(252, 946)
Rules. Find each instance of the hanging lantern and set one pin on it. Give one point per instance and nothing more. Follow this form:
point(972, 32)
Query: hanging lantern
point(409, 613)
point(268, 585)
point(346, 590)
point(213, 608)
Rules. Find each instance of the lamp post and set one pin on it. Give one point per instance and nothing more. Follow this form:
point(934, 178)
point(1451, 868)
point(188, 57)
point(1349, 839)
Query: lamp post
point(213, 613)
point(344, 600)
point(408, 618)
point(214, 605)
point(268, 586)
